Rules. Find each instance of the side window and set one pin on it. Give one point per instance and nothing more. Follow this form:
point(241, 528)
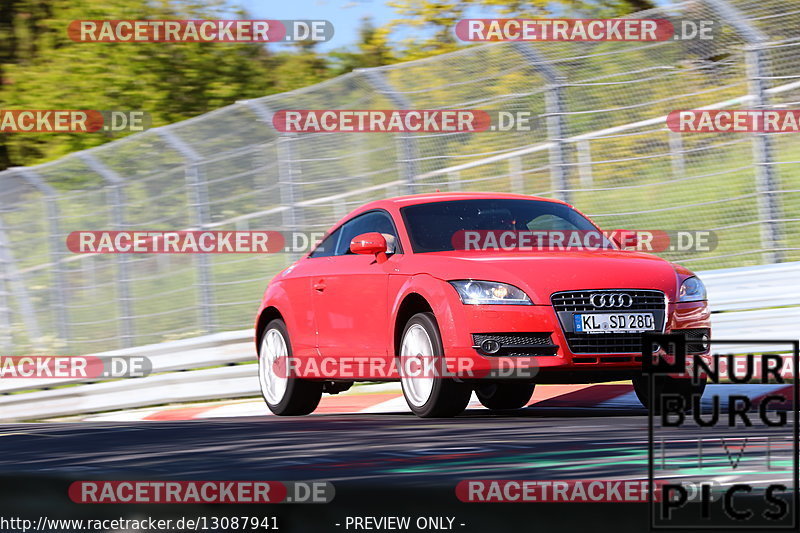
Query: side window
point(378, 221)
point(327, 247)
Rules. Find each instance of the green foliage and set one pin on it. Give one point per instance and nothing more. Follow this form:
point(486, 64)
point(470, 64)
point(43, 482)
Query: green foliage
point(42, 68)
point(372, 50)
point(434, 20)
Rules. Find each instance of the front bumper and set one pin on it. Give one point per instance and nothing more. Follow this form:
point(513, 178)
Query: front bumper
point(561, 364)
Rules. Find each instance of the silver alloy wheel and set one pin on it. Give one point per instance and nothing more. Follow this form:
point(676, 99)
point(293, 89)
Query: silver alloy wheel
point(417, 365)
point(272, 366)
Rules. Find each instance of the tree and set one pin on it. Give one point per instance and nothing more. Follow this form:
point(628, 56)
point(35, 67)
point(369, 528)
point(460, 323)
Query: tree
point(438, 18)
point(21, 25)
point(300, 68)
point(372, 50)
point(42, 68)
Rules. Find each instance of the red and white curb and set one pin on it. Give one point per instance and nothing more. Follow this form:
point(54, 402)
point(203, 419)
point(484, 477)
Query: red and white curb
point(388, 398)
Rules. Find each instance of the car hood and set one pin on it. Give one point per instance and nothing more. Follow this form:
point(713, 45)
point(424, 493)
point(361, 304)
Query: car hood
point(540, 274)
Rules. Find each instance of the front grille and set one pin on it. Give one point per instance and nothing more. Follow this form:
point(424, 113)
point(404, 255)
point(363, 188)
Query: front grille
point(694, 338)
point(569, 302)
point(605, 342)
point(516, 344)
point(578, 301)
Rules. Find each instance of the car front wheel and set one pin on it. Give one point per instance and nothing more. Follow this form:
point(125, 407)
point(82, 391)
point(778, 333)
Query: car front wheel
point(421, 365)
point(284, 394)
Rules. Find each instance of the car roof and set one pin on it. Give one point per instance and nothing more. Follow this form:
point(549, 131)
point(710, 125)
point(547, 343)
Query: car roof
point(414, 199)
point(391, 204)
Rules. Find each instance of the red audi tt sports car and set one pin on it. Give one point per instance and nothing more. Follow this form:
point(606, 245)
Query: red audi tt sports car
point(417, 289)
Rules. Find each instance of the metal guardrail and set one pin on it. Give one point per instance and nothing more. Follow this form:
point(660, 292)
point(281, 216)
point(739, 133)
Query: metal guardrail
point(226, 348)
point(760, 302)
point(174, 387)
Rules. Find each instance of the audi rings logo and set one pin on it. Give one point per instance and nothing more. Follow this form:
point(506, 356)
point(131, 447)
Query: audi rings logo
point(611, 299)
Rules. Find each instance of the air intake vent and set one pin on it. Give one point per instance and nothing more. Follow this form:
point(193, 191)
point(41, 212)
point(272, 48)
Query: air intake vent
point(514, 344)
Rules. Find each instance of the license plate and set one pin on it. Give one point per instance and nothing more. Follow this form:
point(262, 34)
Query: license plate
point(613, 322)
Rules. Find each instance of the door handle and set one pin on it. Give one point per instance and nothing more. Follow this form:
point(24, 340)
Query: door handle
point(319, 285)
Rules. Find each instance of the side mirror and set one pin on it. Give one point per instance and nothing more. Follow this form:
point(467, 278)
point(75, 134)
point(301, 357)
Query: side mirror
point(625, 238)
point(368, 244)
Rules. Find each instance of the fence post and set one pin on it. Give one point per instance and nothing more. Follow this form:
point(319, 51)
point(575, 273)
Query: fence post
point(291, 217)
point(198, 203)
point(677, 160)
point(339, 208)
point(516, 175)
point(585, 164)
point(288, 192)
point(556, 125)
point(5, 315)
point(116, 201)
point(9, 271)
point(56, 247)
point(453, 180)
point(407, 145)
point(767, 186)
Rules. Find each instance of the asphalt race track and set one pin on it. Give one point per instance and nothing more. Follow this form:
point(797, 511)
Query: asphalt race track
point(388, 463)
point(400, 448)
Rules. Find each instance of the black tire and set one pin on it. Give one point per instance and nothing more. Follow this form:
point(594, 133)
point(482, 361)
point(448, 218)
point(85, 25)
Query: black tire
point(447, 397)
point(667, 385)
point(504, 395)
point(301, 396)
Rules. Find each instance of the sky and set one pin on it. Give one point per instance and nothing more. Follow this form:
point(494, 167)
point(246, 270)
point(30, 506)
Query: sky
point(344, 14)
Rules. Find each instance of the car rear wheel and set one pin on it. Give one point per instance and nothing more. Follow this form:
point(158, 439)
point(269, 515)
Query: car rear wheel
point(284, 394)
point(667, 385)
point(421, 362)
point(504, 395)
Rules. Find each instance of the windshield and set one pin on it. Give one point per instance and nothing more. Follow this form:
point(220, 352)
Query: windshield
point(498, 224)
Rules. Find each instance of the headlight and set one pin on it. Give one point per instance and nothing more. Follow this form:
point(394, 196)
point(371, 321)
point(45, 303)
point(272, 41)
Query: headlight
point(489, 292)
point(692, 290)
